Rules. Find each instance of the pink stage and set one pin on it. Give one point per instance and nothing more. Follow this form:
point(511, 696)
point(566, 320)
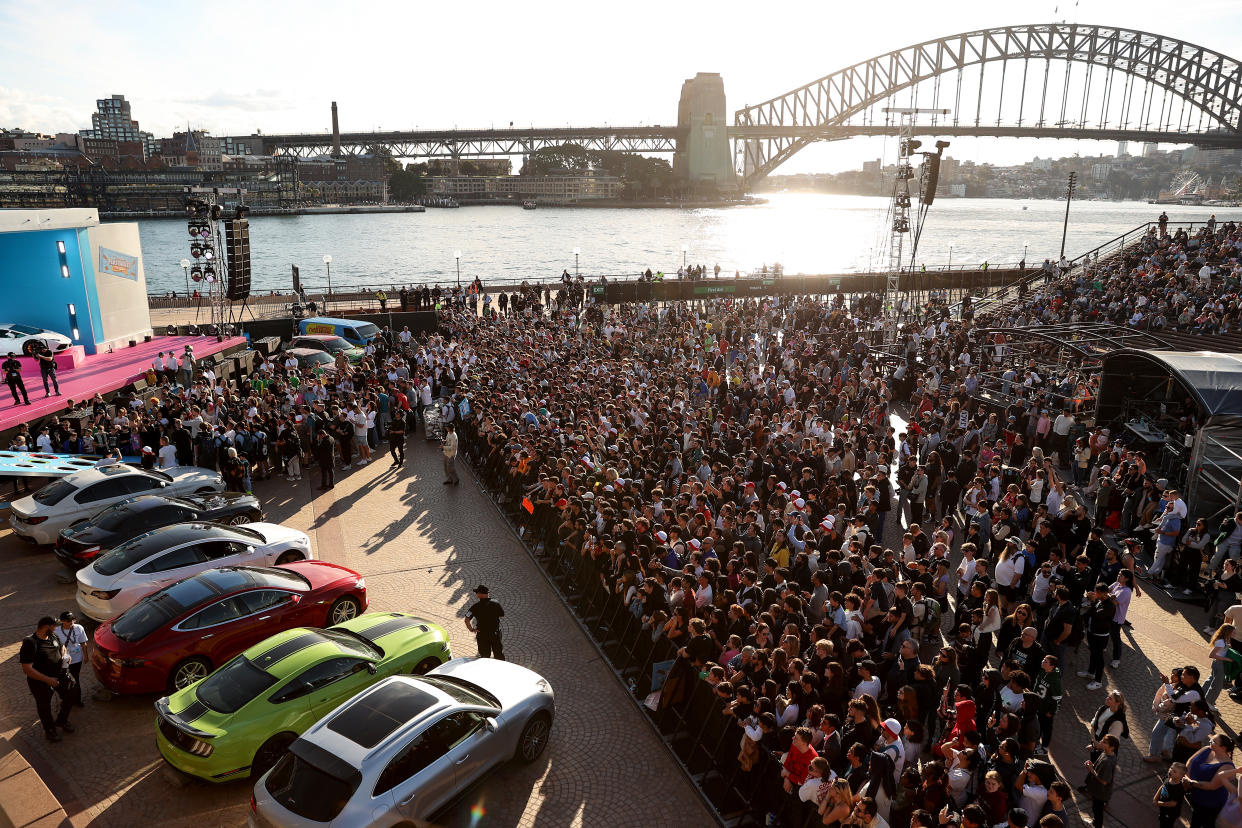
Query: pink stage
point(100, 374)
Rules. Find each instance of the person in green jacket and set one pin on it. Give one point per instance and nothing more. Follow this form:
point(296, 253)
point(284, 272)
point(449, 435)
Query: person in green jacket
point(1048, 688)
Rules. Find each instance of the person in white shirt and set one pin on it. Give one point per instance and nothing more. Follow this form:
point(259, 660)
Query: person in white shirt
point(167, 454)
point(44, 440)
point(73, 638)
point(359, 421)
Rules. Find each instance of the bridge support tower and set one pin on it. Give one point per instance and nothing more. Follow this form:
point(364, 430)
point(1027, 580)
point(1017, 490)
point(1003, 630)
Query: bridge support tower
point(704, 158)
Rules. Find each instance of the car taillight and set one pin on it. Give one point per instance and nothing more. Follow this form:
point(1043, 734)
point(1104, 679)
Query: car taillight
point(254, 806)
point(105, 594)
point(198, 747)
point(87, 553)
point(33, 521)
point(127, 662)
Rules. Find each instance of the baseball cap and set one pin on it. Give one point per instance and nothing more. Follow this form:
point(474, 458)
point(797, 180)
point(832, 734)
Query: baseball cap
point(892, 727)
point(662, 536)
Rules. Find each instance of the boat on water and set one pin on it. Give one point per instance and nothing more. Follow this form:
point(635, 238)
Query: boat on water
point(440, 201)
point(528, 204)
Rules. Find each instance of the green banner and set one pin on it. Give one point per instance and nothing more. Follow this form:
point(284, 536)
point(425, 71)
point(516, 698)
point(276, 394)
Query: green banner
point(597, 290)
point(700, 290)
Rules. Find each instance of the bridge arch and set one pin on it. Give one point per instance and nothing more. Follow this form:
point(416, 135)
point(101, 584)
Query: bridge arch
point(1208, 81)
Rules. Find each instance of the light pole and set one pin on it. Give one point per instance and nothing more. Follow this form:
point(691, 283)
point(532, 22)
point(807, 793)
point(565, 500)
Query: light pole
point(185, 265)
point(684, 250)
point(1024, 247)
point(1069, 195)
point(457, 256)
point(327, 262)
point(577, 250)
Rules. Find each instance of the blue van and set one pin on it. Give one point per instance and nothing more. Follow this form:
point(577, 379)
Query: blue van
point(353, 331)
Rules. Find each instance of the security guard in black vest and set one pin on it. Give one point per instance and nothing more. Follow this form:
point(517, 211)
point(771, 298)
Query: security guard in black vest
point(483, 619)
point(13, 376)
point(45, 664)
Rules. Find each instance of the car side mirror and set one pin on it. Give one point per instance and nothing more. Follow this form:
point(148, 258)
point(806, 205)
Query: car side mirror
point(371, 668)
point(489, 724)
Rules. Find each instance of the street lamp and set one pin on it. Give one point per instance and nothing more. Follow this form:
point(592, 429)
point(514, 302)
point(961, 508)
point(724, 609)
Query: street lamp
point(684, 250)
point(457, 256)
point(327, 262)
point(185, 265)
point(577, 250)
point(1025, 244)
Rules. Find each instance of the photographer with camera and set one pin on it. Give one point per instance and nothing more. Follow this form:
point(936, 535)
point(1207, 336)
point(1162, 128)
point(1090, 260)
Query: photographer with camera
point(46, 665)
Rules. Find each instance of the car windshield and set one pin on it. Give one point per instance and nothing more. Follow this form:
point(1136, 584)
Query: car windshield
point(121, 558)
point(317, 358)
point(158, 608)
point(24, 329)
point(307, 790)
point(462, 690)
point(54, 492)
point(335, 344)
point(353, 642)
point(366, 330)
point(231, 688)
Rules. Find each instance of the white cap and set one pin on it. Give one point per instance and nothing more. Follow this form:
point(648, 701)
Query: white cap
point(662, 536)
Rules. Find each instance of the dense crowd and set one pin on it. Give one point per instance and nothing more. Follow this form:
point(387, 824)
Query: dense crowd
point(883, 580)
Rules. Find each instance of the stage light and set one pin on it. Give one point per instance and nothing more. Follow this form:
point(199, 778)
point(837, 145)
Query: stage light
point(208, 253)
point(942, 145)
point(217, 212)
point(210, 273)
point(196, 250)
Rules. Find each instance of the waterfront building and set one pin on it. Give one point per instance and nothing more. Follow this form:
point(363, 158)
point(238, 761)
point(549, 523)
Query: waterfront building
point(550, 188)
point(193, 148)
point(113, 118)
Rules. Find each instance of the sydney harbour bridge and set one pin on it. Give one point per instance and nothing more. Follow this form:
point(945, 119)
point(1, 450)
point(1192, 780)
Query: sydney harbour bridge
point(1050, 80)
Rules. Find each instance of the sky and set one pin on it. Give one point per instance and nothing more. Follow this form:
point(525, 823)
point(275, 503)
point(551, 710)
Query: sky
point(234, 68)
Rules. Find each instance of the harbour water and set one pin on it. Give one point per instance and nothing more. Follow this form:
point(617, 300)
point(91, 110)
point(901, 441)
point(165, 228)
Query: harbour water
point(806, 233)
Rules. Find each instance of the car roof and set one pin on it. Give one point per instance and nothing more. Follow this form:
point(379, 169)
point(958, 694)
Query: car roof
point(303, 351)
point(87, 477)
point(335, 320)
point(292, 651)
point(368, 724)
point(166, 537)
point(317, 336)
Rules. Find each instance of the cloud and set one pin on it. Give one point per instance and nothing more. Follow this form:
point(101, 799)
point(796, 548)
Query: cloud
point(40, 113)
point(261, 100)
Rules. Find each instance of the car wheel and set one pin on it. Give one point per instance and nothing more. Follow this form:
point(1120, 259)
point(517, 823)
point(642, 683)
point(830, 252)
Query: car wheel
point(30, 346)
point(188, 672)
point(289, 557)
point(238, 520)
point(426, 666)
point(270, 753)
point(343, 609)
point(534, 738)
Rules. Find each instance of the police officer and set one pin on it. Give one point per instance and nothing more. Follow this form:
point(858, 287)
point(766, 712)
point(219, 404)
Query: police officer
point(45, 663)
point(483, 619)
point(13, 376)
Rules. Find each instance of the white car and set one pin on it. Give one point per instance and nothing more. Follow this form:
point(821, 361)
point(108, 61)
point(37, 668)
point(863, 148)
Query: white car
point(78, 497)
point(397, 753)
point(27, 340)
point(118, 578)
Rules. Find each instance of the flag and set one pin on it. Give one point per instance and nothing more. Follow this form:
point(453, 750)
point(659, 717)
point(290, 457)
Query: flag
point(527, 505)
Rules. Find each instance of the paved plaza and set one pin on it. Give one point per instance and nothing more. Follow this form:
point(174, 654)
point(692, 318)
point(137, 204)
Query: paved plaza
point(422, 547)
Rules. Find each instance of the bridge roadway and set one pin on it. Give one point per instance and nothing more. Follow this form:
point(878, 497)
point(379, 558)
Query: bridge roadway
point(661, 139)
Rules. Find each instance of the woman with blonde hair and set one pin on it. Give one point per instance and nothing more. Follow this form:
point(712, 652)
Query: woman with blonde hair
point(837, 803)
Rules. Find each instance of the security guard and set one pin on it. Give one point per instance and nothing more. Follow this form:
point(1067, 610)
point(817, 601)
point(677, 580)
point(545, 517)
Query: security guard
point(13, 376)
point(483, 619)
point(45, 663)
point(383, 300)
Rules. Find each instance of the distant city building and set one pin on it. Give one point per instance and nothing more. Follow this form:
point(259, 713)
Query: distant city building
point(1151, 149)
point(1100, 171)
point(192, 149)
point(113, 119)
point(872, 167)
point(480, 166)
point(557, 188)
point(1123, 149)
point(1041, 164)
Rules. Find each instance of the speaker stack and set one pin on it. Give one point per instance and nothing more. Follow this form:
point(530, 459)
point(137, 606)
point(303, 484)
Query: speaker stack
point(237, 251)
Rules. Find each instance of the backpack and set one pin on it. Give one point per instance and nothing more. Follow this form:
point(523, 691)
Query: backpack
point(931, 617)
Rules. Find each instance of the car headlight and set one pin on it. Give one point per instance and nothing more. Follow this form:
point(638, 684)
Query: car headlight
point(361, 583)
point(543, 686)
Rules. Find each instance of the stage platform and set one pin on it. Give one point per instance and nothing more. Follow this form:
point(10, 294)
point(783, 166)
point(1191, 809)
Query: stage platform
point(99, 374)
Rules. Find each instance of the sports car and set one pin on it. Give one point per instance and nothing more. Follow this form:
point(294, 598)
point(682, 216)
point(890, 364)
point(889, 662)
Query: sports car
point(329, 344)
point(398, 752)
point(115, 581)
point(243, 717)
point(78, 497)
point(177, 635)
point(81, 543)
point(28, 339)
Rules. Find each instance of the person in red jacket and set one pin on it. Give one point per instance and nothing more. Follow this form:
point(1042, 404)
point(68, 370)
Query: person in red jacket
point(797, 762)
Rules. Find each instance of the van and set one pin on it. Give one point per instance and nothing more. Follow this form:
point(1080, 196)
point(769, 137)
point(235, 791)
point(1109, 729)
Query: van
point(353, 331)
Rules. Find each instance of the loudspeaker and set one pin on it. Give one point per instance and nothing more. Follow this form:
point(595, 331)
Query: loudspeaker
point(931, 179)
point(297, 281)
point(140, 386)
point(237, 251)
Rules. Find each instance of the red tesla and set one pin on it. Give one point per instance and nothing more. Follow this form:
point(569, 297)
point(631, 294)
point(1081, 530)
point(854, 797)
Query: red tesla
point(179, 634)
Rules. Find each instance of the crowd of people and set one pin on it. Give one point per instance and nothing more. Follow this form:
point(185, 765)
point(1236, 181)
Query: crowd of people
point(884, 581)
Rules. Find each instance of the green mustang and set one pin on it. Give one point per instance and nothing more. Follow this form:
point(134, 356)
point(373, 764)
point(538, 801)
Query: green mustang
point(245, 715)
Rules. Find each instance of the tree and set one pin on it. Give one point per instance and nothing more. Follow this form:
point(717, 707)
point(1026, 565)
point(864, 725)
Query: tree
point(559, 160)
point(409, 183)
